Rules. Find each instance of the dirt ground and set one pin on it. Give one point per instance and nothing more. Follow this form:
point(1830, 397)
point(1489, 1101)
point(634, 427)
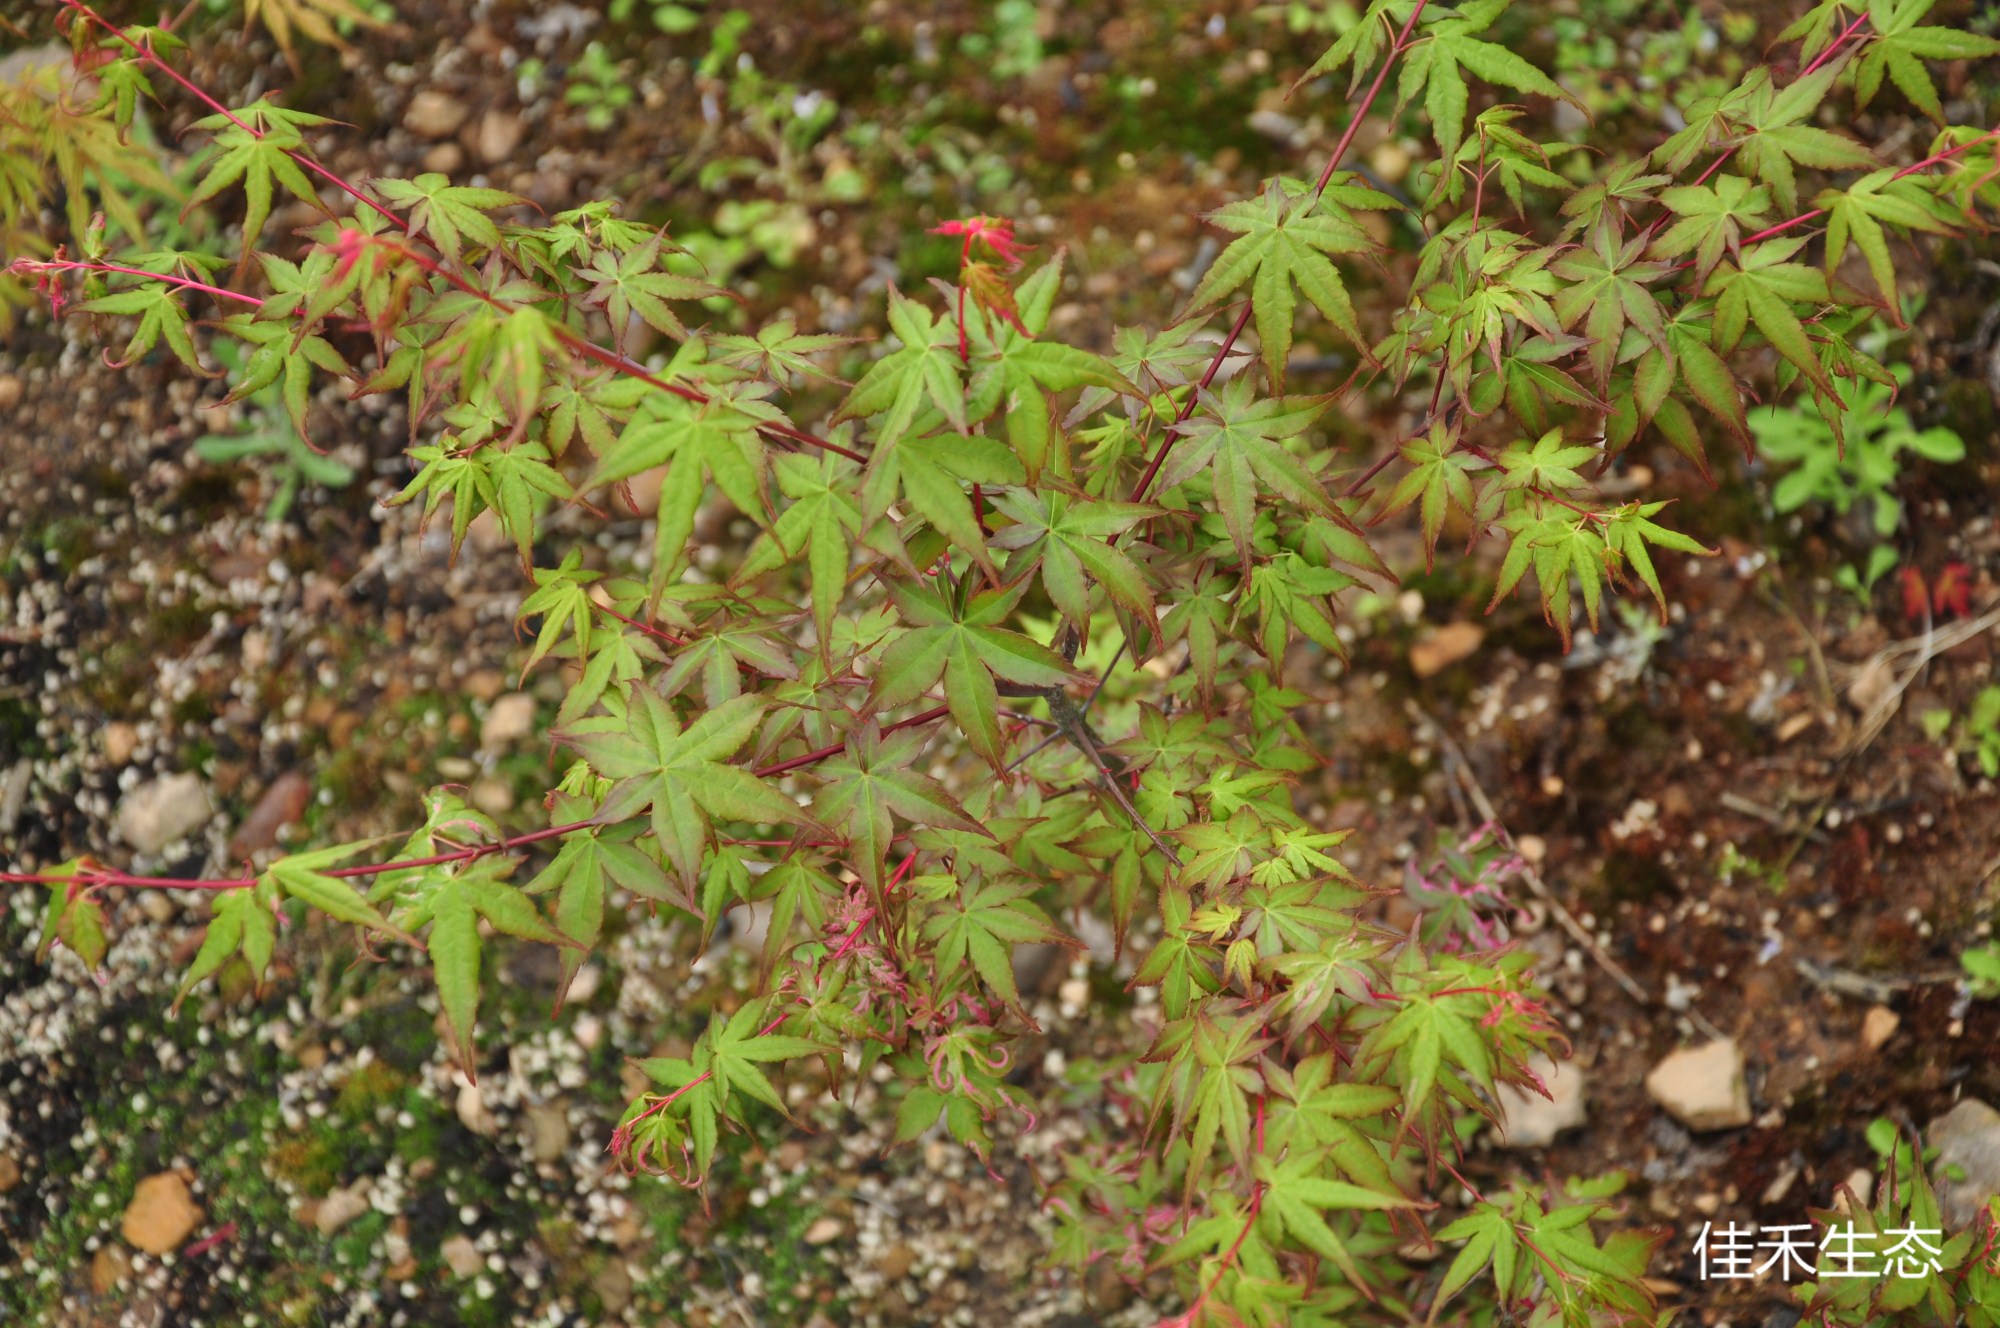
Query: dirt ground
point(1704, 798)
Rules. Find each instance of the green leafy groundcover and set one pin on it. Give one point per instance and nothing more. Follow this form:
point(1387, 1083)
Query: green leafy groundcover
point(846, 722)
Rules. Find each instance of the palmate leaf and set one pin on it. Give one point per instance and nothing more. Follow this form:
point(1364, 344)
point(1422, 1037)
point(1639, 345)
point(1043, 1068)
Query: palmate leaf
point(682, 774)
point(452, 899)
point(981, 925)
point(779, 352)
point(240, 921)
point(1016, 373)
point(302, 876)
point(925, 372)
point(1067, 538)
point(253, 148)
point(1286, 237)
point(1713, 218)
point(1435, 64)
point(562, 600)
point(966, 646)
point(1629, 529)
point(1241, 442)
point(588, 864)
point(1899, 46)
point(819, 529)
point(726, 1063)
point(1762, 291)
point(160, 316)
point(1606, 293)
point(1857, 215)
point(1780, 141)
point(448, 214)
point(716, 439)
point(1438, 476)
point(1558, 544)
point(930, 473)
point(1296, 1193)
point(632, 282)
point(869, 784)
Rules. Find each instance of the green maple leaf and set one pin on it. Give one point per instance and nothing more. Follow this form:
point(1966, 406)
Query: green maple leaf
point(797, 890)
point(254, 149)
point(301, 876)
point(821, 525)
point(1712, 219)
point(1780, 141)
point(449, 214)
point(930, 473)
point(452, 899)
point(1016, 373)
point(562, 600)
point(1545, 464)
point(870, 783)
point(1899, 47)
point(1628, 532)
point(982, 924)
point(1603, 206)
point(717, 439)
point(1491, 1238)
point(160, 317)
point(1068, 537)
point(1240, 440)
point(1434, 1040)
point(280, 353)
point(967, 647)
point(727, 1061)
point(1179, 963)
point(517, 474)
point(1763, 290)
point(779, 352)
point(1361, 43)
point(1436, 61)
point(1296, 1193)
point(1285, 238)
point(588, 404)
point(1856, 215)
point(629, 283)
point(589, 862)
point(239, 921)
point(925, 373)
point(682, 774)
point(1558, 545)
point(1439, 477)
point(1607, 293)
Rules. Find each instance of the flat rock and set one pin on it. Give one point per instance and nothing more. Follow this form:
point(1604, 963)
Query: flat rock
point(1967, 1137)
point(547, 1131)
point(433, 114)
point(341, 1206)
point(511, 718)
point(498, 136)
point(156, 813)
point(161, 1215)
point(462, 1256)
point(1878, 1026)
point(1529, 1120)
point(1703, 1087)
point(282, 804)
point(108, 1267)
point(825, 1231)
point(10, 1172)
point(1445, 647)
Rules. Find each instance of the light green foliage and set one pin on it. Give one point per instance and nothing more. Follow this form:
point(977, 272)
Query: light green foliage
point(1978, 733)
point(837, 714)
point(1865, 470)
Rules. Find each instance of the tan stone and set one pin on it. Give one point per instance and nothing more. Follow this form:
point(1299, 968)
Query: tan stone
point(1445, 647)
point(1878, 1026)
point(161, 1215)
point(1703, 1087)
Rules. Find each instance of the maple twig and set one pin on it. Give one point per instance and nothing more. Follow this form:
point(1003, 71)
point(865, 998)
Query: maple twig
point(29, 266)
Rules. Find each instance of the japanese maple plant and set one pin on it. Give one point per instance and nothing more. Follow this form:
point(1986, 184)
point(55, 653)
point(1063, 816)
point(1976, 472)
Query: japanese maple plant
point(909, 720)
